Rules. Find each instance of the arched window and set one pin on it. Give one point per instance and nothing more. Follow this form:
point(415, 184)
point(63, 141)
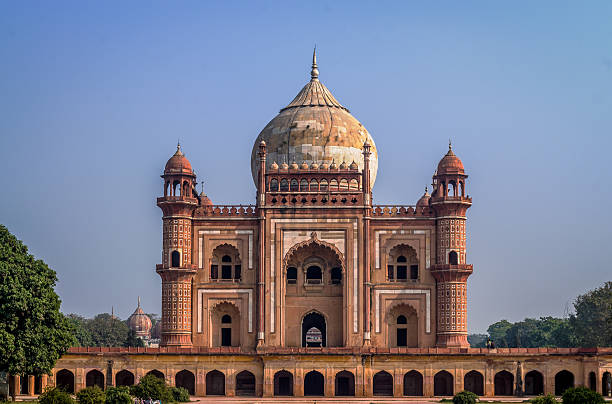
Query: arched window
point(228, 258)
point(176, 188)
point(226, 330)
point(186, 379)
point(284, 185)
point(314, 185)
point(382, 384)
point(503, 383)
point(336, 276)
point(453, 258)
point(314, 330)
point(245, 383)
point(344, 185)
point(314, 275)
point(157, 374)
point(403, 264)
point(534, 383)
point(64, 379)
point(563, 381)
point(413, 383)
point(474, 381)
point(94, 378)
point(294, 185)
point(314, 384)
point(292, 275)
point(443, 384)
point(274, 185)
point(215, 383)
point(345, 384)
point(354, 185)
point(333, 185)
point(304, 185)
point(124, 378)
point(606, 384)
point(226, 319)
point(402, 331)
point(176, 259)
point(283, 383)
point(323, 187)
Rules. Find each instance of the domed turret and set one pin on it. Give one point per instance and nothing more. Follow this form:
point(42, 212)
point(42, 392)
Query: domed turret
point(140, 323)
point(315, 126)
point(424, 200)
point(450, 163)
point(178, 163)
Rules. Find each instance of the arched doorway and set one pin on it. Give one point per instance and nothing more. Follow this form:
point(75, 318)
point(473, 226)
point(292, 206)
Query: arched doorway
point(225, 318)
point(64, 379)
point(215, 383)
point(186, 379)
point(157, 374)
point(563, 381)
point(413, 383)
point(124, 378)
point(283, 383)
point(382, 384)
point(606, 384)
point(245, 383)
point(474, 381)
point(314, 384)
point(94, 378)
point(443, 384)
point(534, 383)
point(403, 326)
point(314, 331)
point(593, 381)
point(345, 384)
point(24, 381)
point(503, 382)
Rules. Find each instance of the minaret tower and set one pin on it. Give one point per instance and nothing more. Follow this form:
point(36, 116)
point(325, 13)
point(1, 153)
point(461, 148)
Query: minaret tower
point(176, 270)
point(450, 203)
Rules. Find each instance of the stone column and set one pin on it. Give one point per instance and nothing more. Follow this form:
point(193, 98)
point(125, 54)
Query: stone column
point(230, 383)
point(398, 378)
point(43, 382)
point(298, 383)
point(200, 387)
point(31, 381)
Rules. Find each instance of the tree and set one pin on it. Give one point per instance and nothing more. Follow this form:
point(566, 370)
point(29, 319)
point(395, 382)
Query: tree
point(133, 340)
point(592, 323)
point(80, 330)
point(477, 340)
point(498, 331)
point(107, 330)
point(33, 332)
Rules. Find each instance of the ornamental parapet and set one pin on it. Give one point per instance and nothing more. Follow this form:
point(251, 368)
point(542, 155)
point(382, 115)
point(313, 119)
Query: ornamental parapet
point(451, 273)
point(306, 199)
point(226, 211)
point(451, 199)
point(402, 211)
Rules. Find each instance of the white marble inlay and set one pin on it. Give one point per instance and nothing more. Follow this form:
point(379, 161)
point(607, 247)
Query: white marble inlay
point(426, 292)
point(355, 281)
point(249, 292)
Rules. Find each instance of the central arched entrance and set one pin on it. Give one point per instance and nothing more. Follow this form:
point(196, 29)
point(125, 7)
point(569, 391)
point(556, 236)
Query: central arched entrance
point(283, 383)
point(314, 330)
point(314, 384)
point(345, 383)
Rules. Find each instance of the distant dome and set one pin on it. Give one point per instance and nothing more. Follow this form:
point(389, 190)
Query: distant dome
point(424, 200)
point(315, 126)
point(450, 164)
point(140, 323)
point(178, 163)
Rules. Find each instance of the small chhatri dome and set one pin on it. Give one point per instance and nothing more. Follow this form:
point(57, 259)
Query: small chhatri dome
point(333, 165)
point(293, 166)
point(424, 200)
point(353, 165)
point(205, 200)
point(314, 166)
point(450, 163)
point(343, 166)
point(315, 126)
point(178, 163)
point(274, 166)
point(140, 323)
point(304, 166)
point(284, 166)
point(324, 166)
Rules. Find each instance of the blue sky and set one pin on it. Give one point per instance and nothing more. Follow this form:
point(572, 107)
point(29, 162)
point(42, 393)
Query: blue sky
point(94, 96)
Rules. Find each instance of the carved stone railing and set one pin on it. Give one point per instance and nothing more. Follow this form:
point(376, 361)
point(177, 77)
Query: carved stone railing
point(227, 211)
point(401, 211)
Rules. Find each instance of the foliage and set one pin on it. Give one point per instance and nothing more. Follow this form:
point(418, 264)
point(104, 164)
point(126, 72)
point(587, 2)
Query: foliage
point(465, 397)
point(80, 330)
point(180, 394)
point(151, 386)
point(581, 395)
point(118, 395)
point(133, 340)
point(55, 396)
point(533, 333)
point(547, 399)
point(498, 331)
point(91, 395)
point(107, 330)
point(592, 322)
point(33, 332)
point(477, 340)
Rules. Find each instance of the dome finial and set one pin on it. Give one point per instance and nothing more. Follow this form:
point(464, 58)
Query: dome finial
point(138, 301)
point(450, 144)
point(314, 73)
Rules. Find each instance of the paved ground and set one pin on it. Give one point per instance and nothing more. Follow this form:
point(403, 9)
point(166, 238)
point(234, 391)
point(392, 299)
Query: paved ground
point(348, 400)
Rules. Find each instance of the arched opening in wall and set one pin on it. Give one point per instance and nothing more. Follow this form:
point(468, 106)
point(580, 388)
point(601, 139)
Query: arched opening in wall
point(606, 384)
point(124, 378)
point(452, 188)
point(413, 383)
point(443, 384)
point(227, 257)
point(314, 384)
point(292, 275)
point(215, 383)
point(294, 185)
point(166, 188)
point(304, 185)
point(225, 318)
point(474, 381)
point(314, 185)
point(402, 326)
point(157, 374)
point(186, 189)
point(345, 384)
point(314, 275)
point(563, 381)
point(283, 383)
point(344, 185)
point(245, 383)
point(38, 385)
point(274, 185)
point(284, 185)
point(593, 381)
point(94, 378)
point(324, 186)
point(333, 185)
point(534, 383)
point(64, 379)
point(336, 276)
point(402, 264)
point(382, 384)
point(503, 382)
point(176, 259)
point(186, 379)
point(314, 330)
point(354, 185)
point(24, 382)
point(453, 258)
point(462, 188)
